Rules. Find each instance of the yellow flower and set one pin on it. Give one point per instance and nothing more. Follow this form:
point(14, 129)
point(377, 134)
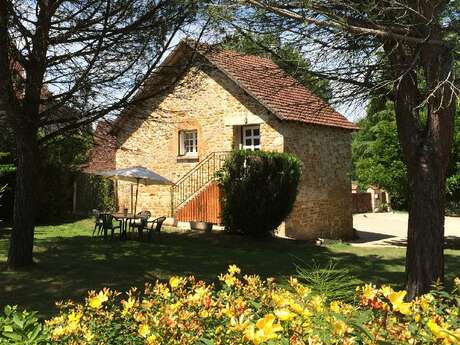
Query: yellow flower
point(151, 340)
point(335, 307)
point(434, 328)
point(227, 311)
point(176, 306)
point(88, 335)
point(58, 332)
point(280, 299)
point(397, 300)
point(295, 307)
point(339, 327)
point(424, 302)
point(73, 322)
point(233, 269)
point(386, 290)
point(284, 314)
point(175, 282)
point(127, 305)
point(303, 291)
point(317, 303)
point(96, 301)
point(293, 281)
point(369, 291)
point(163, 291)
point(314, 340)
point(74, 317)
point(199, 294)
point(138, 316)
point(457, 282)
point(306, 313)
point(238, 324)
point(443, 332)
point(144, 330)
point(264, 330)
point(228, 279)
point(204, 314)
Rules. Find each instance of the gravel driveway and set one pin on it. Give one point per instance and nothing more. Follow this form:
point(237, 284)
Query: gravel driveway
point(390, 229)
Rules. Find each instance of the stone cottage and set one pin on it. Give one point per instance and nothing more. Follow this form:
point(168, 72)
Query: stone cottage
point(204, 102)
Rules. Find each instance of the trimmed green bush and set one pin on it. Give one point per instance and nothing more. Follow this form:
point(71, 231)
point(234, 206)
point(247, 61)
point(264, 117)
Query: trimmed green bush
point(258, 190)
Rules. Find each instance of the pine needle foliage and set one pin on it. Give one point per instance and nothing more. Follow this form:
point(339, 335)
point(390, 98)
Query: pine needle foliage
point(332, 282)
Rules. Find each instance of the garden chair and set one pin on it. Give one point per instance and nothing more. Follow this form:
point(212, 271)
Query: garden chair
point(97, 222)
point(156, 226)
point(141, 224)
point(107, 223)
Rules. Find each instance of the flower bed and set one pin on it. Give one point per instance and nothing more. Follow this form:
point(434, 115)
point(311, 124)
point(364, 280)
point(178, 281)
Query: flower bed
point(249, 310)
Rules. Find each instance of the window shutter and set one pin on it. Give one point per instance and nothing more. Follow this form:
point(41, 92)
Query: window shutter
point(181, 143)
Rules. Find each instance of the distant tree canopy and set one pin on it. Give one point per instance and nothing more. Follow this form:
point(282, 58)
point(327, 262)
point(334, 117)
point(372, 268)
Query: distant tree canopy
point(58, 167)
point(377, 156)
point(288, 57)
point(378, 160)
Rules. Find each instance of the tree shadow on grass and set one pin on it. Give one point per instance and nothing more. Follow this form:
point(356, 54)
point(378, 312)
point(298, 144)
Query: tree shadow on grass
point(67, 267)
point(67, 219)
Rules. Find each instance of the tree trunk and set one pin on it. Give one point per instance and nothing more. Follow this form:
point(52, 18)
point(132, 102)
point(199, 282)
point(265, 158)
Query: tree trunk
point(425, 241)
point(22, 238)
point(426, 147)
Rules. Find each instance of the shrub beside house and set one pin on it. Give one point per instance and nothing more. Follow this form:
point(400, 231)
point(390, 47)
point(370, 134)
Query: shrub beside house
point(259, 190)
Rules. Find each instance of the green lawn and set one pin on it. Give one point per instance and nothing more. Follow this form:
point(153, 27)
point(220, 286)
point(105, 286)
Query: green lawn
point(70, 262)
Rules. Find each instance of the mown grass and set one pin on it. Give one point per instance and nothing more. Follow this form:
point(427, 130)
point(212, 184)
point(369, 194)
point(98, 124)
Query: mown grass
point(69, 262)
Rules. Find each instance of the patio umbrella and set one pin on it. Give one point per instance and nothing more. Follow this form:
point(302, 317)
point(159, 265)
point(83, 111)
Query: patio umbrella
point(136, 175)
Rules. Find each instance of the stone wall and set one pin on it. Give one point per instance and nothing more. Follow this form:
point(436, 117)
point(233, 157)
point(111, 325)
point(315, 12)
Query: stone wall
point(323, 205)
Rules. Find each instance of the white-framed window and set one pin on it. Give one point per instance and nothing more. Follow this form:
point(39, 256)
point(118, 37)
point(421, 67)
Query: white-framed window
point(188, 143)
point(250, 137)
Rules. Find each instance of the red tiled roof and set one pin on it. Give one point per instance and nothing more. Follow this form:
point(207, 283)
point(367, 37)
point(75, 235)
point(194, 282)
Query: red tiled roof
point(275, 89)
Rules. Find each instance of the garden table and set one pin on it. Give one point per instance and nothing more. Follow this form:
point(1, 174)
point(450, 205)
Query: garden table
point(126, 220)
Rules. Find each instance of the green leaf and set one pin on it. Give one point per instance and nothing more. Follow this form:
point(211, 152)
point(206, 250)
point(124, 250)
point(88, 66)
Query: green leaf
point(206, 341)
point(7, 328)
point(7, 310)
point(34, 333)
point(13, 336)
point(18, 322)
point(362, 329)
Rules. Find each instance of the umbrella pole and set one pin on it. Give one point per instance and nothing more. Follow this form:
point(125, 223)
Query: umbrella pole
point(137, 192)
point(132, 192)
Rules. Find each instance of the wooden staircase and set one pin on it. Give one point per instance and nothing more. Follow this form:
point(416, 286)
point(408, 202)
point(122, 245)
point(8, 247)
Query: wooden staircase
point(196, 196)
point(203, 207)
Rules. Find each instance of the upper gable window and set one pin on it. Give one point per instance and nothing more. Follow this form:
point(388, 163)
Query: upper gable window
point(188, 143)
